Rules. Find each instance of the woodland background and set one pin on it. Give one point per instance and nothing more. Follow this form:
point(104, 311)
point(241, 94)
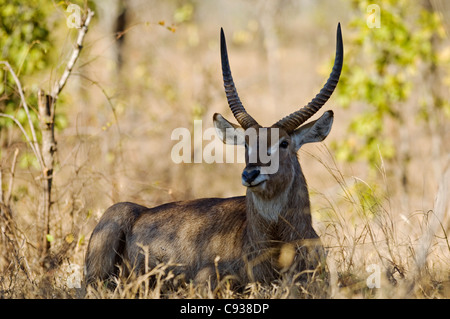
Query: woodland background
point(379, 184)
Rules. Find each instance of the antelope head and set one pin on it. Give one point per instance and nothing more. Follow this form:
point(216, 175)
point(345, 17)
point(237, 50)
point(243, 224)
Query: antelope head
point(271, 152)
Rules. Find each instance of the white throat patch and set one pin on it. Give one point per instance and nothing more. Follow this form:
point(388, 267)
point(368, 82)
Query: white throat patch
point(269, 209)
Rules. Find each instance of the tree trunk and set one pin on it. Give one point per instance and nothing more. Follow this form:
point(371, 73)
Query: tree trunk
point(47, 124)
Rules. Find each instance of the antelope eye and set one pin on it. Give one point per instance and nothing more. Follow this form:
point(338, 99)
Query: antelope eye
point(284, 144)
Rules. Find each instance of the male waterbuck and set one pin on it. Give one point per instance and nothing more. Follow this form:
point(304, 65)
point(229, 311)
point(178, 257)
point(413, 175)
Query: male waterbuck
point(257, 237)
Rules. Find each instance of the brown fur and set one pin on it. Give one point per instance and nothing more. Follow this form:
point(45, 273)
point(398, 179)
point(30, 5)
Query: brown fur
point(193, 233)
point(263, 236)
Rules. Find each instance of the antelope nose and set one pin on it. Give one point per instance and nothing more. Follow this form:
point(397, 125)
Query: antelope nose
point(249, 177)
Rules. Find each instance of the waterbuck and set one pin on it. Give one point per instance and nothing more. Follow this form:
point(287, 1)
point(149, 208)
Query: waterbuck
point(257, 237)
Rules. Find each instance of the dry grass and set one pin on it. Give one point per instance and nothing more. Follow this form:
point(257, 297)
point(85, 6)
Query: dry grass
point(362, 235)
point(116, 147)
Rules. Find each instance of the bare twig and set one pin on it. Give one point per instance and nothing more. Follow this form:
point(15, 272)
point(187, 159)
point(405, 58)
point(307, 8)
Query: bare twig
point(1, 184)
point(22, 96)
point(9, 227)
point(34, 142)
point(33, 147)
point(11, 178)
point(73, 58)
point(46, 106)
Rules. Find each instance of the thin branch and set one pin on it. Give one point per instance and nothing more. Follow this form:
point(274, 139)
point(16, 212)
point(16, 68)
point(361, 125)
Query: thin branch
point(73, 58)
point(36, 149)
point(11, 179)
point(32, 145)
point(1, 184)
point(105, 94)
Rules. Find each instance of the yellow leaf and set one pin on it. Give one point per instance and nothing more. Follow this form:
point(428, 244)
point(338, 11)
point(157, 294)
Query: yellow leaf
point(69, 238)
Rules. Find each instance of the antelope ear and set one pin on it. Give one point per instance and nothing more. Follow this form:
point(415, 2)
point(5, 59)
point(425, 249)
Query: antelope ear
point(315, 131)
point(228, 133)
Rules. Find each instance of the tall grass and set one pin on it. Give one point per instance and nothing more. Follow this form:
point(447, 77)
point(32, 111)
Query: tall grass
point(115, 148)
point(373, 252)
point(365, 234)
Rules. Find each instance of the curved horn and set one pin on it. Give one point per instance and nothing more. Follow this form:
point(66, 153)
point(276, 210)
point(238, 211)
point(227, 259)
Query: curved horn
point(239, 112)
point(294, 120)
